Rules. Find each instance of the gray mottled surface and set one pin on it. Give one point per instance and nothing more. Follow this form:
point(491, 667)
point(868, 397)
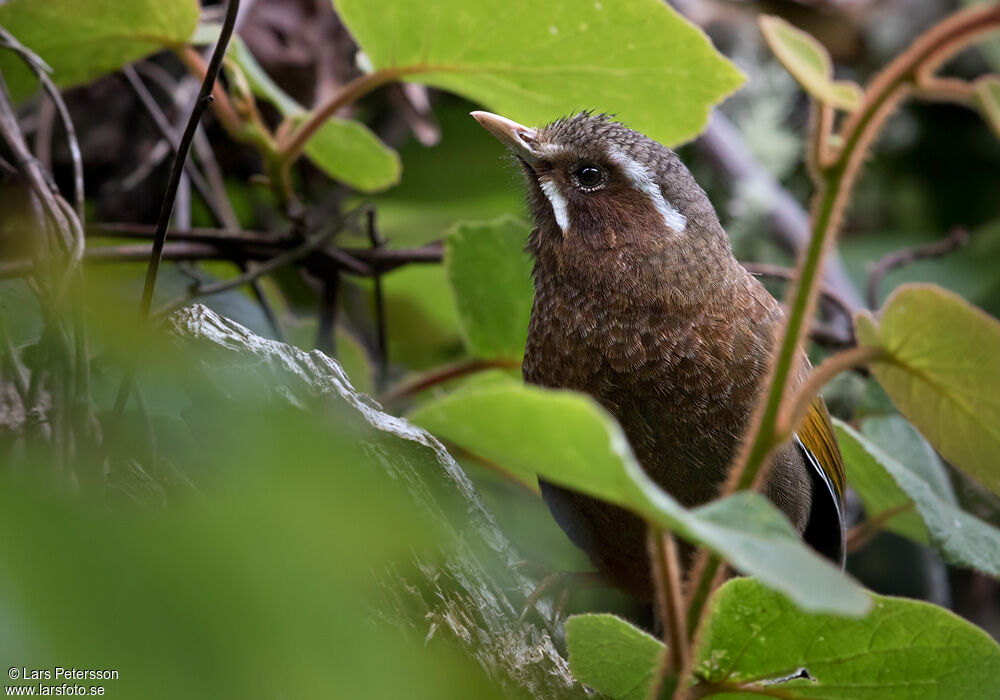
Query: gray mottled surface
point(474, 597)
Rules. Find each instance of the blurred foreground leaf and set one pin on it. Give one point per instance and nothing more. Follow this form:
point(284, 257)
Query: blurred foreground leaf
point(570, 440)
point(253, 590)
point(942, 372)
point(636, 58)
point(491, 276)
point(756, 639)
point(809, 63)
point(882, 482)
point(84, 39)
point(314, 539)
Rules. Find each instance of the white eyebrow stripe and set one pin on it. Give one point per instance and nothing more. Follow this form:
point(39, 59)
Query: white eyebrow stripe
point(643, 181)
point(560, 207)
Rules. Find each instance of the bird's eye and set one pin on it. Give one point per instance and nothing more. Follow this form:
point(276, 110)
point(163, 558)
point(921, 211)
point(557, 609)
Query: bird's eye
point(589, 177)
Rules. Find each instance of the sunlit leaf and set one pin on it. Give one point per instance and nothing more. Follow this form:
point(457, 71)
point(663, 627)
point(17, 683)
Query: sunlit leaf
point(962, 538)
point(491, 276)
point(568, 439)
point(345, 149)
point(84, 39)
point(612, 656)
point(636, 58)
point(988, 98)
point(809, 63)
point(942, 372)
point(756, 639)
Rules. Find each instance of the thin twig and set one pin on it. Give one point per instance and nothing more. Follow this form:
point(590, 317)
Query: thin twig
point(13, 364)
point(958, 237)
point(166, 130)
point(37, 179)
point(794, 409)
point(381, 334)
point(250, 275)
point(884, 93)
point(788, 274)
point(46, 116)
point(444, 374)
point(666, 572)
point(225, 236)
point(41, 71)
point(326, 337)
point(176, 91)
point(265, 304)
point(834, 184)
point(322, 259)
point(788, 221)
point(859, 535)
point(176, 169)
point(295, 143)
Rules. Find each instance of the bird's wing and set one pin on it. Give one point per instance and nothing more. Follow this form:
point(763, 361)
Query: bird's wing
point(816, 433)
point(825, 530)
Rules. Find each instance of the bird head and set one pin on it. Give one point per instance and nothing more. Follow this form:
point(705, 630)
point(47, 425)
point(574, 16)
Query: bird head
point(597, 187)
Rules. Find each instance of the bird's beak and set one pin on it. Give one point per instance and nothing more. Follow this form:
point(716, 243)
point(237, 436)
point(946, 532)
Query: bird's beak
point(520, 139)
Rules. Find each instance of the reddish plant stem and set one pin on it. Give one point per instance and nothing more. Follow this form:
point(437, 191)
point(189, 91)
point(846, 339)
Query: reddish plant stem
point(444, 374)
point(834, 183)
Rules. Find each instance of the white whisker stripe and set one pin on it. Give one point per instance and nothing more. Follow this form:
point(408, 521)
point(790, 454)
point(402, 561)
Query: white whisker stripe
point(643, 181)
point(560, 207)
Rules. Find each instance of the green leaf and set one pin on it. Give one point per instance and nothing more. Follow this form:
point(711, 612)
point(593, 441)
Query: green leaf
point(465, 177)
point(809, 63)
point(421, 311)
point(353, 357)
point(942, 372)
point(246, 564)
point(988, 98)
point(896, 436)
point(345, 149)
point(491, 276)
point(568, 439)
point(85, 39)
point(962, 538)
point(612, 656)
point(880, 494)
point(636, 58)
point(348, 151)
point(901, 649)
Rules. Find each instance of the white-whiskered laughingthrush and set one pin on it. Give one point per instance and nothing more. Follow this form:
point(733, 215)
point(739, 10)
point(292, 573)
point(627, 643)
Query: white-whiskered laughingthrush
point(640, 303)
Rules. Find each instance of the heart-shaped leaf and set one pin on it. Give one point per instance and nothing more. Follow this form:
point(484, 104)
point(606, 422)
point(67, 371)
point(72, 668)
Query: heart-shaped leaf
point(809, 63)
point(758, 643)
point(638, 59)
point(568, 439)
point(942, 370)
point(85, 39)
